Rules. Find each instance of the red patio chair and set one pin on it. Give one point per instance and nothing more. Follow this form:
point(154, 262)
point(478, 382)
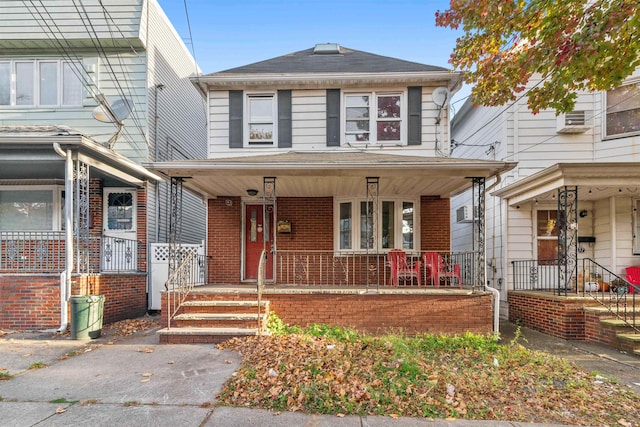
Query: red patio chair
point(438, 270)
point(633, 277)
point(401, 269)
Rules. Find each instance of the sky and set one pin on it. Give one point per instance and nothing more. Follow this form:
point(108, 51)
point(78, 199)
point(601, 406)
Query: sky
point(229, 33)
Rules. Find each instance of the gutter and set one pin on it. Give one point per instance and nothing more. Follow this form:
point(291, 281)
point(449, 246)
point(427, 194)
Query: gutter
point(65, 276)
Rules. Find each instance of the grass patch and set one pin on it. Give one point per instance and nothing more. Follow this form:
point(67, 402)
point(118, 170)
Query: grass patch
point(4, 375)
point(132, 403)
point(37, 365)
point(63, 400)
point(331, 370)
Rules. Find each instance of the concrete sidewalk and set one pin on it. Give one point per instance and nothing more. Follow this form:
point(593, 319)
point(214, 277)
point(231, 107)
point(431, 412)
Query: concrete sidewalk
point(134, 381)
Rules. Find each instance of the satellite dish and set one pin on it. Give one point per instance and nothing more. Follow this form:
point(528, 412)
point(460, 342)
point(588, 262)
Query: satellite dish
point(440, 96)
point(115, 111)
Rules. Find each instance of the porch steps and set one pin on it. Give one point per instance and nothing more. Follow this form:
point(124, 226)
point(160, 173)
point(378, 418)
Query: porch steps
point(213, 321)
point(625, 336)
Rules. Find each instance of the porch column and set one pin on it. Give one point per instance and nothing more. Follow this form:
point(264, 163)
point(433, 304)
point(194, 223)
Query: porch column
point(175, 223)
point(269, 205)
point(567, 237)
point(478, 195)
point(81, 215)
point(371, 223)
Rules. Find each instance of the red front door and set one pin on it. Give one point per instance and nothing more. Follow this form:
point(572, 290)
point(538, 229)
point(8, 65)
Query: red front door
point(258, 234)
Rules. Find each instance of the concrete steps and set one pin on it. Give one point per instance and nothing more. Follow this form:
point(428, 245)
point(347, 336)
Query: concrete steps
point(614, 329)
point(213, 321)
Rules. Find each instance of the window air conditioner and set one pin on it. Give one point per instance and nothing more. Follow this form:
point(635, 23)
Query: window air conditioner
point(466, 213)
point(573, 122)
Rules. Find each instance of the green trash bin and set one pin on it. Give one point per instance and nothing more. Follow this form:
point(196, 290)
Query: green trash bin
point(86, 316)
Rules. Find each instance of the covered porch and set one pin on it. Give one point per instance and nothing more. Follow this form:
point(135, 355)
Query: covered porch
point(328, 222)
point(573, 281)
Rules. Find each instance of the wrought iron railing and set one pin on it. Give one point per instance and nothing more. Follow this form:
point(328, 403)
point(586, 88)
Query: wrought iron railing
point(610, 290)
point(328, 268)
point(191, 272)
point(32, 251)
point(535, 275)
point(45, 252)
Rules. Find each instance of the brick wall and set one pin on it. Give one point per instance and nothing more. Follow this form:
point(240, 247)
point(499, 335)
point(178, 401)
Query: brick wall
point(374, 313)
point(311, 221)
point(558, 316)
point(435, 232)
point(29, 302)
point(33, 302)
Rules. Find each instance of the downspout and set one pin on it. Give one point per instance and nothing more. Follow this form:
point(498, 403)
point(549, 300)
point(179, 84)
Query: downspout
point(494, 291)
point(65, 276)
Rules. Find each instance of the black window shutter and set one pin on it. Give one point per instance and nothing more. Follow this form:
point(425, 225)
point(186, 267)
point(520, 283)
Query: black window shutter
point(414, 104)
point(333, 117)
point(235, 119)
point(285, 139)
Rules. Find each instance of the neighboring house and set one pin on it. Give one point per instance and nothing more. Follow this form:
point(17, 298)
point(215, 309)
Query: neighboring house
point(566, 219)
point(328, 158)
point(88, 91)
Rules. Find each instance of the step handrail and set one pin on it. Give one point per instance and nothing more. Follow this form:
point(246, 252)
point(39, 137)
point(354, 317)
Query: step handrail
point(618, 299)
point(179, 284)
point(260, 287)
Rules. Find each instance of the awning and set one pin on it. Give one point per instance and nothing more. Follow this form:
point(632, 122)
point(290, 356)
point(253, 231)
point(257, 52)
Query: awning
point(595, 181)
point(317, 174)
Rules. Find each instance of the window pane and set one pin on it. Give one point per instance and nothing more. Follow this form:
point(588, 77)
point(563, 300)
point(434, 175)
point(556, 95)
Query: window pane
point(366, 225)
point(24, 83)
point(357, 113)
point(547, 223)
point(261, 109)
point(407, 225)
point(388, 131)
point(22, 210)
point(120, 211)
point(623, 110)
point(71, 86)
point(345, 225)
point(357, 137)
point(357, 101)
point(388, 107)
point(5, 83)
point(48, 83)
point(388, 225)
point(260, 133)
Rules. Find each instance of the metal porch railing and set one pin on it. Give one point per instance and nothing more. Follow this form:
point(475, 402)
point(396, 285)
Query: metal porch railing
point(44, 252)
point(328, 268)
point(190, 273)
point(535, 275)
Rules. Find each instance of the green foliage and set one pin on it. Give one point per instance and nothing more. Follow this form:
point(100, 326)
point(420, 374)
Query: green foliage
point(572, 45)
point(37, 365)
point(5, 375)
point(63, 400)
point(333, 332)
point(276, 326)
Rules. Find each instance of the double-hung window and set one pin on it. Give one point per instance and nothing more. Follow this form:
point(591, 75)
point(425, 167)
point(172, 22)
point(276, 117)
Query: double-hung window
point(261, 113)
point(32, 209)
point(363, 226)
point(374, 118)
point(40, 83)
point(623, 110)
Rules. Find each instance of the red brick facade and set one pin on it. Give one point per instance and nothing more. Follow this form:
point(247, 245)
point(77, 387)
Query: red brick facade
point(311, 221)
point(32, 301)
point(374, 313)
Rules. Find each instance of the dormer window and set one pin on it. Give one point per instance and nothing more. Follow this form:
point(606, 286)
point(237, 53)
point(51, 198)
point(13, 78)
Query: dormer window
point(374, 118)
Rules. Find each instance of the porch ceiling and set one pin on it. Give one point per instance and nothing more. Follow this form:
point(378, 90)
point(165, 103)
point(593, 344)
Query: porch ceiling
point(330, 174)
point(594, 181)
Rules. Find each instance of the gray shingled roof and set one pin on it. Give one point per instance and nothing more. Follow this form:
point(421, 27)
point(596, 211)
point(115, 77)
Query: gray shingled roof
point(347, 61)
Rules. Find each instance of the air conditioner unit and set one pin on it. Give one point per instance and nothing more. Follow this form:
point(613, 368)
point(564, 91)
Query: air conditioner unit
point(573, 122)
point(466, 213)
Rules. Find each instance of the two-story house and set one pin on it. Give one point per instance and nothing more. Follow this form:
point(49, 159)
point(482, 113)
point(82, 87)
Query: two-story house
point(88, 91)
point(565, 221)
point(330, 158)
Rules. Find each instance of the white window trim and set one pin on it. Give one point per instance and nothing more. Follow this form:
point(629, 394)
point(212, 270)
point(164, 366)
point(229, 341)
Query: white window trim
point(355, 225)
point(36, 83)
point(605, 136)
point(373, 119)
point(246, 118)
point(57, 199)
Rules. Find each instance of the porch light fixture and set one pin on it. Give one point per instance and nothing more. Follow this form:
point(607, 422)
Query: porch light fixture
point(252, 192)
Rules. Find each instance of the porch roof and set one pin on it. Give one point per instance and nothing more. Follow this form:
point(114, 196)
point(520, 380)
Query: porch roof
point(316, 174)
point(597, 180)
point(28, 152)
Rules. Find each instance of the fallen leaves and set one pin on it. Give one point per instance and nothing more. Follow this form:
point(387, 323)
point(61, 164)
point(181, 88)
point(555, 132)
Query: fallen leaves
point(376, 376)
